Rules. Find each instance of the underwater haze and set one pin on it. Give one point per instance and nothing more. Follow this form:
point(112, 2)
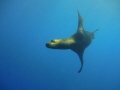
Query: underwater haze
point(27, 25)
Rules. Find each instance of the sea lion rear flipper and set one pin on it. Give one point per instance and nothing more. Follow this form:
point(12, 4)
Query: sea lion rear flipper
point(80, 22)
point(93, 37)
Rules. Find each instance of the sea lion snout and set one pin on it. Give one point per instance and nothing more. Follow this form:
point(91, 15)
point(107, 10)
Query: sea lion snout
point(51, 45)
point(47, 45)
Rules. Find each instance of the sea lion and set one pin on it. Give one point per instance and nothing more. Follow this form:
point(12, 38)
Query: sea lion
point(78, 42)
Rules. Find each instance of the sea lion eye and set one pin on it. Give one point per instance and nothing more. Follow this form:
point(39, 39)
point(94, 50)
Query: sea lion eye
point(52, 41)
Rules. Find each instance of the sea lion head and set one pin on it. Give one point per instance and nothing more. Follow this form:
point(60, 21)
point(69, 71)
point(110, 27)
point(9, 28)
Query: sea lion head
point(55, 44)
point(60, 44)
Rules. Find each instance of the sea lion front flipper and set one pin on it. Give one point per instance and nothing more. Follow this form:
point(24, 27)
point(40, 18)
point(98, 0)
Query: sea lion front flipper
point(80, 23)
point(80, 54)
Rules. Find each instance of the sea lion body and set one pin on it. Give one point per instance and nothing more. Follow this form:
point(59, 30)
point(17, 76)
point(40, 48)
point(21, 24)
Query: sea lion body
point(78, 42)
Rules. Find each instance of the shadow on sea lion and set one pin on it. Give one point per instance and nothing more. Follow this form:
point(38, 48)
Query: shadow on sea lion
point(78, 42)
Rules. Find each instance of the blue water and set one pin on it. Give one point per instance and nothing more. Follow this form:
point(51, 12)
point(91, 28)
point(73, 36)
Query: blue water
point(25, 62)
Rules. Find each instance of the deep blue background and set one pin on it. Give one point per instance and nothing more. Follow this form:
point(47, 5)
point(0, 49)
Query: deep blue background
point(25, 62)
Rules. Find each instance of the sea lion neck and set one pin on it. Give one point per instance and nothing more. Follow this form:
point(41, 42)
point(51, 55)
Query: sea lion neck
point(66, 43)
